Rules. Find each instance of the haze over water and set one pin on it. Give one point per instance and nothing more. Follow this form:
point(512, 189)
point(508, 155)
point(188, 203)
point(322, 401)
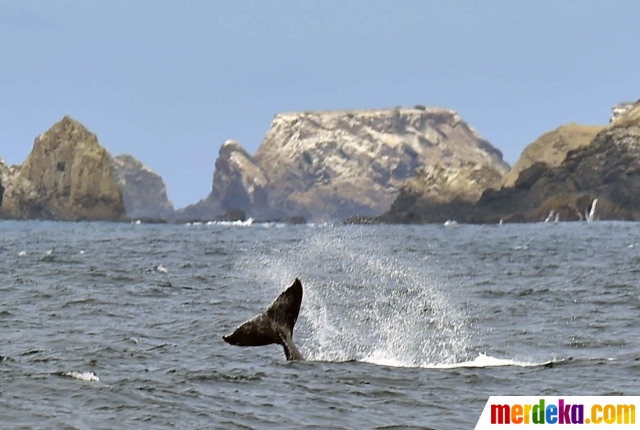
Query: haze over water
point(405, 326)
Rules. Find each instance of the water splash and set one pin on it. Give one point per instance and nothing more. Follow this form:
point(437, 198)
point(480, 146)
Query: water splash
point(591, 216)
point(362, 300)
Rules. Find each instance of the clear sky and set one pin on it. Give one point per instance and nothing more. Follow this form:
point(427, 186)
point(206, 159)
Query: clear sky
point(170, 81)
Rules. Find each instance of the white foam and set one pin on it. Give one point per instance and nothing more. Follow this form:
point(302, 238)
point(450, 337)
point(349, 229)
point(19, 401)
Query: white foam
point(550, 216)
point(481, 361)
point(484, 360)
point(246, 223)
point(591, 216)
point(82, 376)
point(22, 253)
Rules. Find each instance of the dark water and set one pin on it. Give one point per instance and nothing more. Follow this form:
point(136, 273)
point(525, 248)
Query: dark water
point(403, 326)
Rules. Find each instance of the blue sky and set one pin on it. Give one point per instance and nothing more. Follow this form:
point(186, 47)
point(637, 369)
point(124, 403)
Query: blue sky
point(170, 81)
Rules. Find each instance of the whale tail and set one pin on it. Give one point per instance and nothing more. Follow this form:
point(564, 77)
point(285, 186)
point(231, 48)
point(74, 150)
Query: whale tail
point(275, 325)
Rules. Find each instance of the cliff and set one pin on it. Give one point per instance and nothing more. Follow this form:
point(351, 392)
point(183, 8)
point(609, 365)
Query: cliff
point(551, 148)
point(608, 169)
point(144, 193)
point(238, 183)
point(329, 165)
point(67, 176)
point(436, 194)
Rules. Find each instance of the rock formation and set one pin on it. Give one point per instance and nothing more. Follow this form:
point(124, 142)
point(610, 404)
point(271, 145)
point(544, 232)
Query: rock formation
point(67, 176)
point(551, 148)
point(618, 110)
point(561, 176)
point(608, 169)
point(143, 191)
point(238, 183)
point(438, 194)
point(330, 165)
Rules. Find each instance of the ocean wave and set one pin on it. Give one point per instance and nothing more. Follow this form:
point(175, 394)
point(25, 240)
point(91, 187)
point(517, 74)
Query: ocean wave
point(82, 376)
point(246, 223)
point(481, 361)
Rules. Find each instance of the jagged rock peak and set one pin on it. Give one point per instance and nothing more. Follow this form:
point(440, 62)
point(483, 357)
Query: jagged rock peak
point(230, 146)
point(67, 176)
point(618, 110)
point(143, 191)
point(238, 184)
point(131, 162)
point(69, 129)
point(630, 115)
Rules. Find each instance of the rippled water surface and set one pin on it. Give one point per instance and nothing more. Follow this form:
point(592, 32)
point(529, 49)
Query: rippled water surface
point(402, 326)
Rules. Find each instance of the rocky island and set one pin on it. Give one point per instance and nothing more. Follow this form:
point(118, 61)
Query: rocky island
point(332, 165)
point(600, 180)
point(573, 173)
point(67, 176)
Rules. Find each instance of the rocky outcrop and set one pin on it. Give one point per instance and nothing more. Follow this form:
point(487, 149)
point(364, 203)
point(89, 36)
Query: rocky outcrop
point(559, 177)
point(608, 169)
point(144, 193)
point(67, 176)
point(14, 189)
point(551, 148)
point(337, 164)
point(238, 184)
point(620, 109)
point(330, 165)
point(436, 194)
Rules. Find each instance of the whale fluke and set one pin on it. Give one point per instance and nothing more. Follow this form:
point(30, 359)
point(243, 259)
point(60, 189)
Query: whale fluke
point(275, 325)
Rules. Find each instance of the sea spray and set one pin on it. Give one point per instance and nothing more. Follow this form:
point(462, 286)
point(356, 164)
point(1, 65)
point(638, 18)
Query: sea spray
point(361, 300)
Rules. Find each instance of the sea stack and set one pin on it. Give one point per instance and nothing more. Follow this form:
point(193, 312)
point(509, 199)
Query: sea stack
point(67, 176)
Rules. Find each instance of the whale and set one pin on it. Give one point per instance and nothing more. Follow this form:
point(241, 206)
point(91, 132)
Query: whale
point(274, 325)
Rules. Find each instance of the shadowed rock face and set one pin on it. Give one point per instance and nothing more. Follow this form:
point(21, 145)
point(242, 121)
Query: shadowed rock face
point(436, 194)
point(238, 184)
point(143, 191)
point(330, 165)
point(607, 169)
point(551, 148)
point(67, 176)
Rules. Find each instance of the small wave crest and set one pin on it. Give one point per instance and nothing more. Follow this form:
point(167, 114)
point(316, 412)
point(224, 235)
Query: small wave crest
point(82, 376)
point(481, 361)
point(246, 223)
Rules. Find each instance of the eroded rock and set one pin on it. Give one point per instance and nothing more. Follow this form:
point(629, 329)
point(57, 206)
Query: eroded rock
point(144, 192)
point(67, 176)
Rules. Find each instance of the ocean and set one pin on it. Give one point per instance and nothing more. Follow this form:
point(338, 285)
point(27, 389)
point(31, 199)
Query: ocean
point(106, 326)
